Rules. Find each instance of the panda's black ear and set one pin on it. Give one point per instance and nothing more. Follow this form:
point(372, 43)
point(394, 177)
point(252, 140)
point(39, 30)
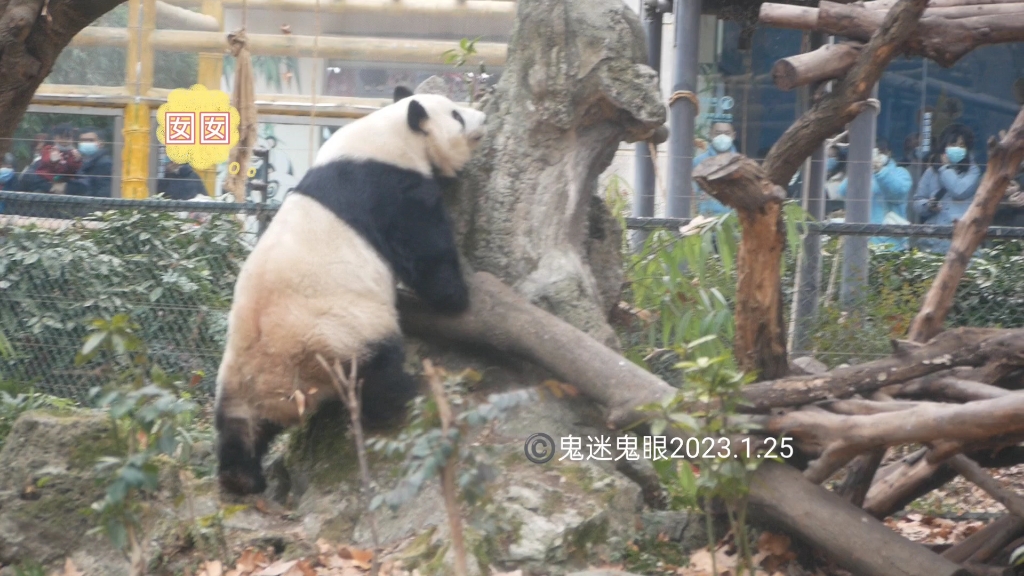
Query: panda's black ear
point(417, 116)
point(402, 92)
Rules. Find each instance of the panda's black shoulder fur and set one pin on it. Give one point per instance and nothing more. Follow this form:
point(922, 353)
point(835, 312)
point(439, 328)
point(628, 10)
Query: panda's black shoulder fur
point(401, 214)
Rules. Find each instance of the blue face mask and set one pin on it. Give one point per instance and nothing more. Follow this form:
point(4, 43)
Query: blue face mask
point(956, 154)
point(831, 164)
point(88, 148)
point(6, 174)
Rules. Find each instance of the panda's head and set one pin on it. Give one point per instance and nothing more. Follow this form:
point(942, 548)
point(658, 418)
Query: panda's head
point(424, 132)
point(450, 132)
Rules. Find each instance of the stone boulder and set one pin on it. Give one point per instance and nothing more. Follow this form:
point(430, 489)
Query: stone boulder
point(47, 485)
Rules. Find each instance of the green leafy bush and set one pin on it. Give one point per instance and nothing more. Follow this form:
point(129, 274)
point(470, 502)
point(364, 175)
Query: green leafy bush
point(173, 275)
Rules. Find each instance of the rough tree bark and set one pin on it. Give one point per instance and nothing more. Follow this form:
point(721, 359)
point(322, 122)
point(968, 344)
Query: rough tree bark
point(738, 182)
point(32, 34)
point(576, 83)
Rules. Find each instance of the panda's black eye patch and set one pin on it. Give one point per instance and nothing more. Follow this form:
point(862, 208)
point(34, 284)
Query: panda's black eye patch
point(457, 116)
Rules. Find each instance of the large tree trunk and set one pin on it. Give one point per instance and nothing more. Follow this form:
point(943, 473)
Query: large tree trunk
point(32, 34)
point(575, 85)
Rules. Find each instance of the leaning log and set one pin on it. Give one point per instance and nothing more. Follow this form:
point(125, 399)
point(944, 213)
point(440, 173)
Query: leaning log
point(738, 182)
point(826, 63)
point(500, 318)
point(1003, 164)
point(854, 539)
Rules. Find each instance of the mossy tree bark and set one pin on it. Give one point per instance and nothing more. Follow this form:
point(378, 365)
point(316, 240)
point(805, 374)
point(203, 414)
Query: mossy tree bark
point(575, 85)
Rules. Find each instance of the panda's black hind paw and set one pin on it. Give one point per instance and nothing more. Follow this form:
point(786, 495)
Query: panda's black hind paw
point(242, 483)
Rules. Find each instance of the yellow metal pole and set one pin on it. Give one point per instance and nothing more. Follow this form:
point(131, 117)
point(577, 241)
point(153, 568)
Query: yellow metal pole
point(211, 69)
point(139, 79)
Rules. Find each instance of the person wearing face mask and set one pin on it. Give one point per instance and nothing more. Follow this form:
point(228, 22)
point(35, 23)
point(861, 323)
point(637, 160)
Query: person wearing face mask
point(722, 137)
point(8, 178)
point(59, 161)
point(835, 175)
point(94, 178)
point(890, 191)
point(948, 186)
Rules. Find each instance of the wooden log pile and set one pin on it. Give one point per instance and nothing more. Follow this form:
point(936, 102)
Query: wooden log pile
point(948, 30)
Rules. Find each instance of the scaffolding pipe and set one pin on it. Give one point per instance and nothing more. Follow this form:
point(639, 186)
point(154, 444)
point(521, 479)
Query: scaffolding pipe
point(450, 8)
point(169, 16)
point(644, 190)
point(392, 50)
point(211, 71)
point(276, 104)
point(860, 175)
point(683, 109)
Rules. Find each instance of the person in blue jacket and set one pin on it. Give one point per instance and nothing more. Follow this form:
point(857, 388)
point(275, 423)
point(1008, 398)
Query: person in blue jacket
point(947, 187)
point(890, 192)
point(722, 137)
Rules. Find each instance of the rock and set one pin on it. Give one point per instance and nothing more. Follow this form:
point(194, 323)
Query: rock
point(548, 518)
point(54, 454)
point(807, 365)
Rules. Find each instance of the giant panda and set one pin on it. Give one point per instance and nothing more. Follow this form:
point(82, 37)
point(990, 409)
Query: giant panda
point(322, 278)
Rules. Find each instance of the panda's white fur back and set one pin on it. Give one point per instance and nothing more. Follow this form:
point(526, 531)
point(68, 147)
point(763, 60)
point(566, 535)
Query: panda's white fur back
point(312, 285)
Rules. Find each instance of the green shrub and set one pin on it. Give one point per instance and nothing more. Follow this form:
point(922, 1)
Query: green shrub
point(172, 275)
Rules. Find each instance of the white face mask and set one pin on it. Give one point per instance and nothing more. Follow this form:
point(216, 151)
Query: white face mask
point(722, 143)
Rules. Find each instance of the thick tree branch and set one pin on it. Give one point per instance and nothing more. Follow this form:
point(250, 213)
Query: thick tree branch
point(837, 108)
point(29, 46)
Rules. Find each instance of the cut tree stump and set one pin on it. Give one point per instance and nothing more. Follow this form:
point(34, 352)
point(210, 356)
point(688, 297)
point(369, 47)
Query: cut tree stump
point(739, 182)
point(829, 62)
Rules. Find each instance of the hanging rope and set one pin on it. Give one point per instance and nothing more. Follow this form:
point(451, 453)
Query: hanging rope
point(243, 98)
point(312, 114)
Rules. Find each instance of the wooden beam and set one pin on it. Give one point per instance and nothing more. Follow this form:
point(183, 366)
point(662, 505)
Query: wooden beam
point(444, 8)
point(288, 105)
point(943, 40)
point(356, 48)
point(169, 16)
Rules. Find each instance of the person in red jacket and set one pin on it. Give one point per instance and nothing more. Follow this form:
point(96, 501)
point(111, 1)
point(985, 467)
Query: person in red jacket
point(60, 159)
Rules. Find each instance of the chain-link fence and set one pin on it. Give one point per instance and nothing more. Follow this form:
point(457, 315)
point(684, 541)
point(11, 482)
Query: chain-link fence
point(840, 313)
point(65, 261)
point(171, 266)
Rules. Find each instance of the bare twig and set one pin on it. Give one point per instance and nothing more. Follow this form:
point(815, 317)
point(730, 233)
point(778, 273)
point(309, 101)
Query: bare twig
point(451, 502)
point(349, 388)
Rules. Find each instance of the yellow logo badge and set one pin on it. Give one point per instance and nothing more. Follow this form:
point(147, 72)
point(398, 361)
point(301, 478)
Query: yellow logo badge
point(198, 126)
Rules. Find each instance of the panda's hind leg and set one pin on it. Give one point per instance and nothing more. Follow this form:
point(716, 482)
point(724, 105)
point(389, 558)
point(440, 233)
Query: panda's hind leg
point(387, 387)
point(241, 445)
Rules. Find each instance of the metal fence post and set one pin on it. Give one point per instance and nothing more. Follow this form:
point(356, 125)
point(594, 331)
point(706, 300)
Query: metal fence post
point(683, 110)
point(643, 191)
point(808, 274)
point(858, 206)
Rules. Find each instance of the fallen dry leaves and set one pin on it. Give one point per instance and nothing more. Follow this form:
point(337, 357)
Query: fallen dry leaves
point(331, 561)
point(931, 531)
point(773, 554)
